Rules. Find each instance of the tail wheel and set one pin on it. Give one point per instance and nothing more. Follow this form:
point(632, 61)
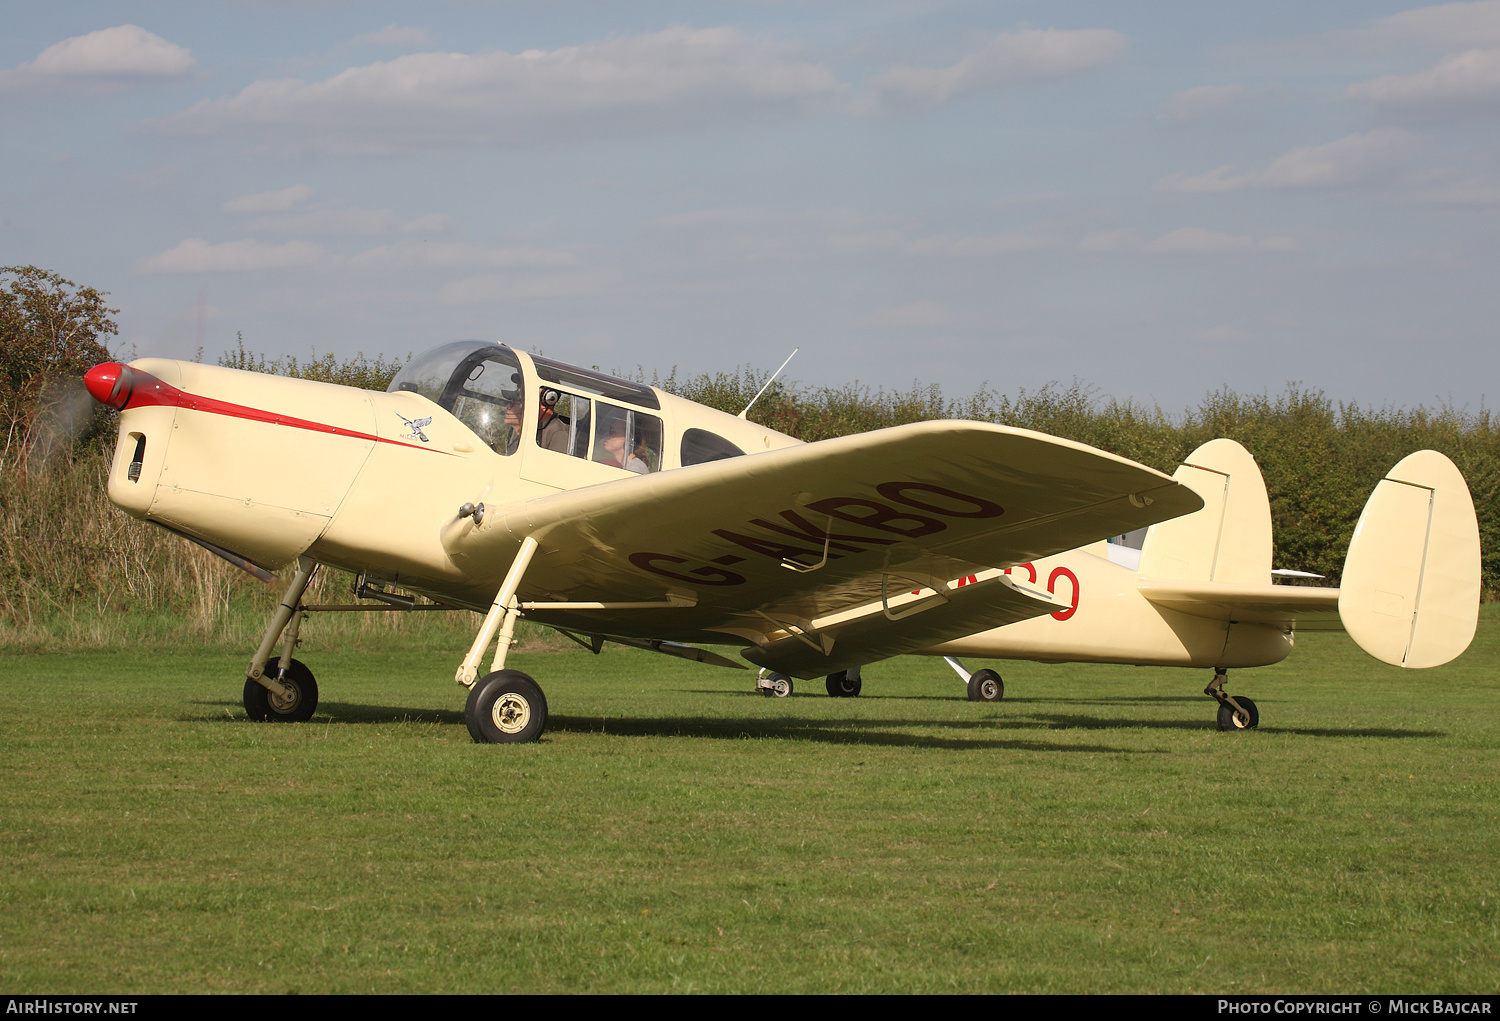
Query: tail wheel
point(295, 706)
point(986, 686)
point(1248, 717)
point(505, 707)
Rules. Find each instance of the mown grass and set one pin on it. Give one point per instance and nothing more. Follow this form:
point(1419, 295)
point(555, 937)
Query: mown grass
point(674, 832)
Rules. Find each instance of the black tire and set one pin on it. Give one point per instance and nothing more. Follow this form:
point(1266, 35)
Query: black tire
point(781, 686)
point(840, 686)
point(261, 705)
point(505, 707)
point(1227, 715)
point(986, 686)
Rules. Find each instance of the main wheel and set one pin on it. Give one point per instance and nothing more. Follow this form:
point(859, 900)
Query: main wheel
point(505, 707)
point(985, 686)
point(296, 706)
point(841, 686)
point(1231, 720)
point(778, 685)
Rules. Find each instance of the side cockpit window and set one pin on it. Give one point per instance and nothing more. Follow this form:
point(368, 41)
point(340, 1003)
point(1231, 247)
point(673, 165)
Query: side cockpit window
point(700, 446)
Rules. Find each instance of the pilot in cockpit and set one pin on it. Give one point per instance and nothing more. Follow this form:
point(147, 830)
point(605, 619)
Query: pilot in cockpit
point(515, 412)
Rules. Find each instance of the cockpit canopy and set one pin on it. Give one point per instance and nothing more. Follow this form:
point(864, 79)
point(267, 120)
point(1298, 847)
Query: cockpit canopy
point(473, 380)
point(579, 412)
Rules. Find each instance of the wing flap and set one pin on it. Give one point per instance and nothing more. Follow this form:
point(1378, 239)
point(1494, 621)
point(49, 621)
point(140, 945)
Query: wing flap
point(886, 629)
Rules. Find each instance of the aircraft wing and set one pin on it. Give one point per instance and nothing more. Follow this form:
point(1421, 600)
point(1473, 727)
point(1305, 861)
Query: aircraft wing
point(772, 545)
point(1296, 606)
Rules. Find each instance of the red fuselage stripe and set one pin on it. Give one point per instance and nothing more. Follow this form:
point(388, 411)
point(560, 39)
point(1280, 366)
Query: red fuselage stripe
point(152, 392)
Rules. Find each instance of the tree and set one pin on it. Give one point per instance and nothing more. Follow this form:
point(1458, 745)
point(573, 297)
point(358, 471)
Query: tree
point(51, 332)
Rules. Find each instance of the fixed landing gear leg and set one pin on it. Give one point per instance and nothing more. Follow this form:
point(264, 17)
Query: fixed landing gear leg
point(282, 690)
point(290, 599)
point(504, 706)
point(1236, 712)
point(503, 608)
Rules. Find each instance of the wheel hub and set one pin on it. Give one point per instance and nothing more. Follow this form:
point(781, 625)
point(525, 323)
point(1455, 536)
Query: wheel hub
point(286, 701)
point(511, 713)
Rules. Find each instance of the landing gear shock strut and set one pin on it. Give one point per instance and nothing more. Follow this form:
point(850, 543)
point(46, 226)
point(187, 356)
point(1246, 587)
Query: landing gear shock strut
point(1236, 712)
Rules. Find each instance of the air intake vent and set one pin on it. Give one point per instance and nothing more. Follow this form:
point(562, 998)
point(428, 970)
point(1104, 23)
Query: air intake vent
point(134, 473)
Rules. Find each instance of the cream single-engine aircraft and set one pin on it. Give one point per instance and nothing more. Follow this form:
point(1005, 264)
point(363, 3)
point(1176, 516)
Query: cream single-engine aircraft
point(492, 480)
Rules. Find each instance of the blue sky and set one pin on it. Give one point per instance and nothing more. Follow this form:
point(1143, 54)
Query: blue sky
point(1158, 199)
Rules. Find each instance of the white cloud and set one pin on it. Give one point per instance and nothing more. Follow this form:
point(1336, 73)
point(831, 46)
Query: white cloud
point(195, 255)
point(352, 223)
point(110, 57)
point(1444, 27)
point(1472, 191)
point(484, 288)
point(912, 314)
point(405, 256)
point(1011, 58)
point(270, 201)
point(1202, 241)
point(1457, 83)
point(1354, 159)
point(286, 212)
point(754, 235)
point(676, 78)
point(1192, 104)
point(1035, 238)
point(395, 37)
point(1122, 240)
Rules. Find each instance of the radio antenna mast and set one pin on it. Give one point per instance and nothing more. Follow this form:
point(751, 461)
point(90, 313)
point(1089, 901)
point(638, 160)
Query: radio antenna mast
point(769, 382)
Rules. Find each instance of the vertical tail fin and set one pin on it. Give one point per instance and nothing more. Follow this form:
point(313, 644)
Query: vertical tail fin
point(1410, 591)
point(1229, 540)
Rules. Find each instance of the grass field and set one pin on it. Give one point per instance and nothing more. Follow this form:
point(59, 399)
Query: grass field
point(675, 832)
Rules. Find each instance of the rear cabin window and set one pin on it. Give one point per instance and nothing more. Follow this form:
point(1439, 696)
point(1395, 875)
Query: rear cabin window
point(700, 446)
point(626, 438)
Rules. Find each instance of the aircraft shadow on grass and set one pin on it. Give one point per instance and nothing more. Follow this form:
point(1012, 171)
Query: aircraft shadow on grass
point(1071, 722)
point(343, 713)
point(848, 731)
point(843, 732)
point(1009, 700)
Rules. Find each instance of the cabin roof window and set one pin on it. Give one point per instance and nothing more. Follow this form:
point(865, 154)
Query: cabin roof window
point(700, 446)
point(596, 383)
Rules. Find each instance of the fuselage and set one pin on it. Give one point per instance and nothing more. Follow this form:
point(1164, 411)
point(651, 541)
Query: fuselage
point(1109, 620)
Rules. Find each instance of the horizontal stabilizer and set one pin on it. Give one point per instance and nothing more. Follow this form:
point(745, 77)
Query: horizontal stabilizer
point(1294, 606)
point(1410, 590)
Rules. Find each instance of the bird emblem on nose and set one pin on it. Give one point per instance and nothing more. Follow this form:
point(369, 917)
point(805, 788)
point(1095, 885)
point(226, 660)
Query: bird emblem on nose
point(416, 426)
